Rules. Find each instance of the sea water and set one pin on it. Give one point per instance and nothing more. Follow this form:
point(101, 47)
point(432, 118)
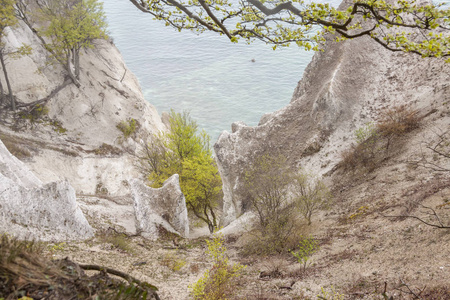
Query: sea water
point(217, 81)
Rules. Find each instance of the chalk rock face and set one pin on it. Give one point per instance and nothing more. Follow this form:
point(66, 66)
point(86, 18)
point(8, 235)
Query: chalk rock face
point(165, 206)
point(343, 88)
point(86, 116)
point(30, 210)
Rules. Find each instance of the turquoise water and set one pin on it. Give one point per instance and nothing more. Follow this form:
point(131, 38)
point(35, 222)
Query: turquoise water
point(206, 74)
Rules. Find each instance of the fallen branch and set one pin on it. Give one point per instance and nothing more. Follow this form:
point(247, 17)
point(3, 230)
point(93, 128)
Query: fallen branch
point(433, 214)
point(130, 279)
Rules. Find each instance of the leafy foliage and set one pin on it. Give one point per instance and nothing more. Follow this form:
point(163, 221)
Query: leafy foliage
point(186, 152)
point(128, 127)
point(422, 29)
point(307, 246)
point(72, 26)
point(219, 282)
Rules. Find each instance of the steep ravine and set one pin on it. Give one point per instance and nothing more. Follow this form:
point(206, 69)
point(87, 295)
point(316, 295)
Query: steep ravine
point(343, 88)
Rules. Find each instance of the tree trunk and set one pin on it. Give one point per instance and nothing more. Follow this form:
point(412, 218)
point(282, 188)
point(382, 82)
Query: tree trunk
point(11, 97)
point(2, 92)
point(69, 67)
point(76, 62)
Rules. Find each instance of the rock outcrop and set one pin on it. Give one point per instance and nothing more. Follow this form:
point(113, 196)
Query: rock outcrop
point(80, 129)
point(343, 88)
point(32, 210)
point(162, 207)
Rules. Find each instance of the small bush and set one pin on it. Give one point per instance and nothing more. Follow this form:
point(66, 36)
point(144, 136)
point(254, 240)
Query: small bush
point(307, 246)
point(332, 294)
point(220, 281)
point(117, 240)
point(35, 114)
point(267, 182)
point(397, 121)
point(173, 261)
point(373, 138)
point(128, 127)
point(310, 195)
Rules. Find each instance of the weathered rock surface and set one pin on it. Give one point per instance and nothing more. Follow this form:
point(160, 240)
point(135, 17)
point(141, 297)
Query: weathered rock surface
point(86, 117)
point(343, 88)
point(31, 210)
point(165, 206)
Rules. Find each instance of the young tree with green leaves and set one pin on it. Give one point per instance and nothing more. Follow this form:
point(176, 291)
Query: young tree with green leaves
point(72, 25)
point(186, 152)
point(420, 29)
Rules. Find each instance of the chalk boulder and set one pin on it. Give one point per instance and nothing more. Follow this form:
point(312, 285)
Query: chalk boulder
point(161, 207)
point(31, 210)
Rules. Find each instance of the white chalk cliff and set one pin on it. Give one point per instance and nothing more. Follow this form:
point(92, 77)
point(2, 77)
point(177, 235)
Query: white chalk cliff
point(343, 88)
point(32, 210)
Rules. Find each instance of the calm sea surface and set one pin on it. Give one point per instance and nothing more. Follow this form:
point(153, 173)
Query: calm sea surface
point(206, 74)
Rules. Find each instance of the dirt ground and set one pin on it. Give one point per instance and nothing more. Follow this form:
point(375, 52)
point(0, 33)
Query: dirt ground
point(362, 254)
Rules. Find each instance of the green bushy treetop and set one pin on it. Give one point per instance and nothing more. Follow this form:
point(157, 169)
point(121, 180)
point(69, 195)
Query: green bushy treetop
point(72, 26)
point(184, 150)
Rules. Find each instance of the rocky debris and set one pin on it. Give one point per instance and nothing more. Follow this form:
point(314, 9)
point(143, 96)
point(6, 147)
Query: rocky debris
point(31, 210)
point(343, 88)
point(103, 212)
point(160, 207)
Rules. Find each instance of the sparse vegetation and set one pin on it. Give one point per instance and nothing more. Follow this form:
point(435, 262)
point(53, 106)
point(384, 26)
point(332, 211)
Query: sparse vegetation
point(26, 272)
point(118, 241)
point(310, 194)
point(106, 149)
point(173, 261)
point(375, 139)
point(16, 149)
point(219, 282)
point(267, 182)
point(330, 294)
point(35, 114)
point(128, 127)
point(306, 247)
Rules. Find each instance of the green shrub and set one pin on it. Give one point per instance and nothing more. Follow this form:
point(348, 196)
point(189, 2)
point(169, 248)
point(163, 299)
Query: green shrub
point(307, 246)
point(186, 151)
point(128, 127)
point(35, 114)
point(219, 282)
point(332, 294)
